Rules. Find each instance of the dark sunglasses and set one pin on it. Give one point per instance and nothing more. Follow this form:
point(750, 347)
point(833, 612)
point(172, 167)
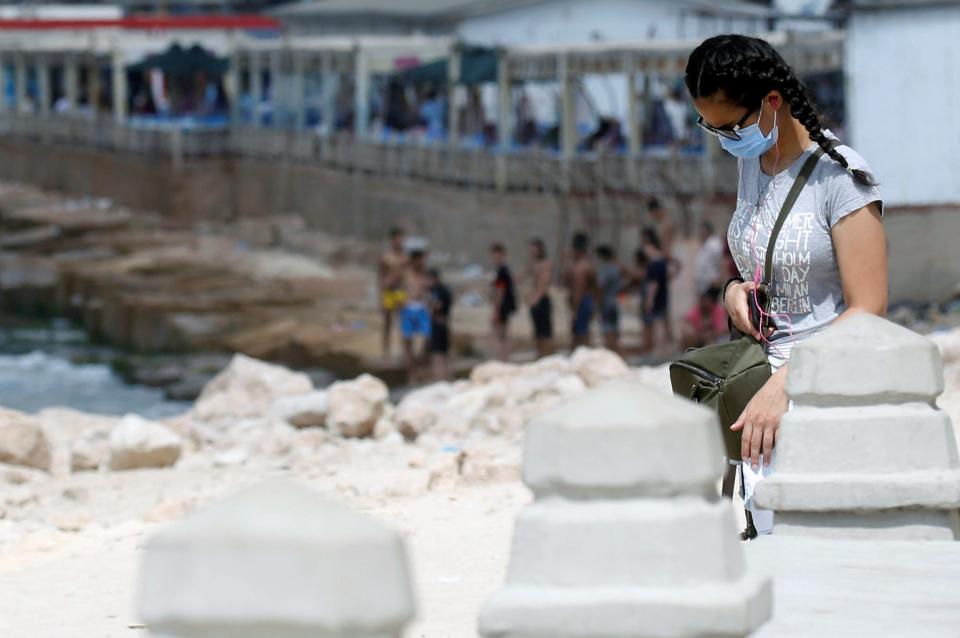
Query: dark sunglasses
point(729, 133)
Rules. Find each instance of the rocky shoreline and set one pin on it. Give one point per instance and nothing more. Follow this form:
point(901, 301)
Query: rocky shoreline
point(257, 417)
point(259, 414)
point(132, 280)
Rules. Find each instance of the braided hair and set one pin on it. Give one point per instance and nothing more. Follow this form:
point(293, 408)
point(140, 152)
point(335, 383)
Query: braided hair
point(743, 70)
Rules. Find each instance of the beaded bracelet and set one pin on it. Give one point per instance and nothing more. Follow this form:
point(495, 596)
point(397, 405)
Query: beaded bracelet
point(723, 294)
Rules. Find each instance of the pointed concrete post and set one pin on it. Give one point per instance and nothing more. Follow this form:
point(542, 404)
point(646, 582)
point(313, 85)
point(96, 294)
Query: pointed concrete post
point(627, 537)
point(20, 83)
point(277, 561)
point(118, 74)
point(43, 85)
point(71, 81)
point(865, 453)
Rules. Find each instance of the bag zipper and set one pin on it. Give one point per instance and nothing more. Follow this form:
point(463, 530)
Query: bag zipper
point(703, 374)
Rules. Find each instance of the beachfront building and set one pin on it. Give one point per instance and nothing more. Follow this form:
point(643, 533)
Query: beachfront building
point(600, 101)
point(901, 68)
point(505, 22)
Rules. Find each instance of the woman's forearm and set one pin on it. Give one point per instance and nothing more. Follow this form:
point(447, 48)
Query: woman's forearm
point(853, 310)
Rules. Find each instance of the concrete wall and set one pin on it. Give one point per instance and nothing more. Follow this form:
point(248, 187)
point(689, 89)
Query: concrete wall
point(903, 97)
point(924, 262)
point(462, 222)
point(582, 21)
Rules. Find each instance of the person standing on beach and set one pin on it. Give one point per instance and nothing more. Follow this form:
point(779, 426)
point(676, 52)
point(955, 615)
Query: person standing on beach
point(663, 226)
point(391, 270)
point(639, 279)
point(709, 267)
point(541, 308)
point(830, 261)
point(504, 302)
point(664, 231)
point(582, 286)
point(415, 314)
point(657, 299)
point(610, 282)
point(441, 301)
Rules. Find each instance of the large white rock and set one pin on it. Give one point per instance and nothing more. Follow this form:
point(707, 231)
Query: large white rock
point(949, 344)
point(864, 453)
point(598, 365)
point(556, 363)
point(90, 451)
point(138, 443)
point(626, 538)
point(303, 410)
point(418, 411)
point(490, 371)
point(248, 387)
point(276, 561)
point(353, 407)
point(78, 440)
point(22, 441)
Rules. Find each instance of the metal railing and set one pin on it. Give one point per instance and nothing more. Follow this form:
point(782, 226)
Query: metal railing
point(532, 171)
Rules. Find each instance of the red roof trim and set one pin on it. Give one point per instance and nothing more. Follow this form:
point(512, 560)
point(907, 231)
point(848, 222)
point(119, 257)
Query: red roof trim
point(194, 22)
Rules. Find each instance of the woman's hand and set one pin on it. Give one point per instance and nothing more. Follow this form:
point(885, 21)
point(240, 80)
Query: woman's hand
point(760, 420)
point(737, 301)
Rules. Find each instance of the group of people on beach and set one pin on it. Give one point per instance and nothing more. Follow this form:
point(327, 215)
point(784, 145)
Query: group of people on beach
point(422, 301)
point(596, 282)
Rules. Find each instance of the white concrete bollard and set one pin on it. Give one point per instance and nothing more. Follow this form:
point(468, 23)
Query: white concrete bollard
point(277, 561)
point(628, 537)
point(865, 453)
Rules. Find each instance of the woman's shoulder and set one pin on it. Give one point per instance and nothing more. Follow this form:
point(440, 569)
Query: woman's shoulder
point(855, 161)
point(842, 192)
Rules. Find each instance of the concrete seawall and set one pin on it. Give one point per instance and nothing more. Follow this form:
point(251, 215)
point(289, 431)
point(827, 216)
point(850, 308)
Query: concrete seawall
point(924, 262)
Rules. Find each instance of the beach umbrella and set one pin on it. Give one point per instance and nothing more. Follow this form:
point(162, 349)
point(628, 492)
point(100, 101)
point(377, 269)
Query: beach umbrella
point(180, 62)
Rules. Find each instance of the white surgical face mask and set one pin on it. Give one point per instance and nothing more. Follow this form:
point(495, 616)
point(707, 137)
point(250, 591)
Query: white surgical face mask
point(752, 143)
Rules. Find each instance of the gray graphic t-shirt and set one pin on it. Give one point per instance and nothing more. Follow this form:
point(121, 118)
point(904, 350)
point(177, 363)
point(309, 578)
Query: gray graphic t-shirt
point(806, 293)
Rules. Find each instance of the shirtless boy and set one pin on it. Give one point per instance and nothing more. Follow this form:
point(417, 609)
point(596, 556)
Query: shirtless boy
point(582, 284)
point(541, 311)
point(415, 315)
point(390, 274)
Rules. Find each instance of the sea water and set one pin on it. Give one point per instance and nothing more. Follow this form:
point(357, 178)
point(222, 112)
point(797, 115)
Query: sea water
point(39, 369)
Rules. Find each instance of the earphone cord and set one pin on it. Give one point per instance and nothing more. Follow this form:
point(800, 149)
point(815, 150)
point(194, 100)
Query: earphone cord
point(758, 270)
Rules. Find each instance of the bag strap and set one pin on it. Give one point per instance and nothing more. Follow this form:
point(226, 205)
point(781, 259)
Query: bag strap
point(788, 203)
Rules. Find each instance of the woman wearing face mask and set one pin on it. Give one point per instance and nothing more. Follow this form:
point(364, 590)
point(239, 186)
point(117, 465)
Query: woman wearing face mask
point(830, 258)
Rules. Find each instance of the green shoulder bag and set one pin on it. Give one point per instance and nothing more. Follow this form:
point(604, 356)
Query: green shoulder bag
point(724, 377)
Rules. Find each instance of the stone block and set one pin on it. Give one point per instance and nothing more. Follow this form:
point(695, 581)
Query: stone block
point(877, 439)
point(627, 537)
point(878, 525)
point(865, 360)
point(276, 561)
point(623, 438)
point(727, 610)
point(621, 543)
point(864, 453)
point(834, 492)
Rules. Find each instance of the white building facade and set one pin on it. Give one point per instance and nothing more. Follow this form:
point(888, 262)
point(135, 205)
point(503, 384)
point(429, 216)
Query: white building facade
point(902, 67)
point(583, 21)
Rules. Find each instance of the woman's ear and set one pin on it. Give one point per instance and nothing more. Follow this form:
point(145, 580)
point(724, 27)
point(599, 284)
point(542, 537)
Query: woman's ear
point(775, 100)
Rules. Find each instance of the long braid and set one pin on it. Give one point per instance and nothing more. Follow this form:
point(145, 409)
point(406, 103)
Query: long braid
point(743, 70)
point(801, 107)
